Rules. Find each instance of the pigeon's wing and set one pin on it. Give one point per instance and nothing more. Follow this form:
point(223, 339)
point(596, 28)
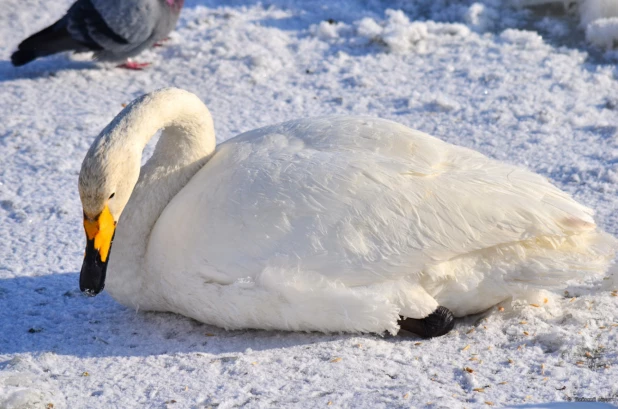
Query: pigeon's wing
point(114, 25)
point(134, 20)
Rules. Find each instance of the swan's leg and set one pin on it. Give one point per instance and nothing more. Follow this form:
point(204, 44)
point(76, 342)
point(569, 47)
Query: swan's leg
point(436, 324)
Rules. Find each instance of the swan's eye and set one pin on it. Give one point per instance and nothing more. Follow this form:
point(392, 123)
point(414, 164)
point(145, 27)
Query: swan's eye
point(112, 195)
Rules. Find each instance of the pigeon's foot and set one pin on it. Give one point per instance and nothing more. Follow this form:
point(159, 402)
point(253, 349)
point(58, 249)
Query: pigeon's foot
point(436, 324)
point(160, 43)
point(134, 65)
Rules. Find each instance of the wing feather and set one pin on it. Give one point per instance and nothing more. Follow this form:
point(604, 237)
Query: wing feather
point(364, 199)
point(113, 25)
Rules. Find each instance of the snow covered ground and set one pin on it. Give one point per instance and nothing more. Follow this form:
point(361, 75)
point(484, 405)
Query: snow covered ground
point(519, 84)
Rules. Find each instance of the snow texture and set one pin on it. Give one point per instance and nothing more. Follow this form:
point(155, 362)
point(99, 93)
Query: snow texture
point(519, 84)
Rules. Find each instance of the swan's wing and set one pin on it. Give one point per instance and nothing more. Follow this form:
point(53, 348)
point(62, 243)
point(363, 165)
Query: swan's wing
point(359, 200)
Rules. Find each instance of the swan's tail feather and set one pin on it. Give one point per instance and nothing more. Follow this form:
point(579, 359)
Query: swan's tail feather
point(540, 261)
point(478, 280)
point(553, 261)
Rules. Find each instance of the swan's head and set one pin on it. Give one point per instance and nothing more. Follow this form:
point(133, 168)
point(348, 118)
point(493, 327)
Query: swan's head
point(106, 181)
point(111, 167)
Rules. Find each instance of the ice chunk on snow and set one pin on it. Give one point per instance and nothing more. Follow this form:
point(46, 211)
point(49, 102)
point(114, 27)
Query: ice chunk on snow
point(600, 19)
point(591, 10)
point(520, 37)
point(603, 32)
point(22, 399)
point(326, 30)
point(481, 17)
point(368, 28)
point(597, 17)
point(399, 34)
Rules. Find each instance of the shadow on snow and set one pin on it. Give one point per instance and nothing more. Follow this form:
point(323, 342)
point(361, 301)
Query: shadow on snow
point(48, 313)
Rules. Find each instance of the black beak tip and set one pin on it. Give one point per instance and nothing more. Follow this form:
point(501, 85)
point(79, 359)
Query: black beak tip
point(92, 279)
point(92, 275)
point(90, 292)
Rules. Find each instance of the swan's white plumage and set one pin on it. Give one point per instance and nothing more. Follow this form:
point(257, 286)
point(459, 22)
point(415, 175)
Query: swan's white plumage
point(342, 224)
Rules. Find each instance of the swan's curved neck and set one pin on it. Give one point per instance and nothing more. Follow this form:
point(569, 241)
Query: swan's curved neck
point(186, 124)
point(187, 141)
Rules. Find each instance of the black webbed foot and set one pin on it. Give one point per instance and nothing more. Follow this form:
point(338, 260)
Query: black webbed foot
point(436, 324)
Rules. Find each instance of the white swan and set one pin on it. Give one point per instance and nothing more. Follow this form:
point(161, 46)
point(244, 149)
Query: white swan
point(327, 224)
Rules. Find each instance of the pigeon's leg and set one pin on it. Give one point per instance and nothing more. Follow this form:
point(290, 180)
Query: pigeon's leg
point(436, 324)
point(134, 65)
point(161, 42)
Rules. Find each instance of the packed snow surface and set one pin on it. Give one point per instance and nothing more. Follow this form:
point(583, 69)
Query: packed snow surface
point(520, 84)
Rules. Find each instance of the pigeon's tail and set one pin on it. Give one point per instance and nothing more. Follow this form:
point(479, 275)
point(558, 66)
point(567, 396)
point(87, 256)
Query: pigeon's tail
point(22, 57)
point(51, 40)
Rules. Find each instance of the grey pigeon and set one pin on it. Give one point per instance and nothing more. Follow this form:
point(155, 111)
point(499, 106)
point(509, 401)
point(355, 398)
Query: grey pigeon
point(114, 29)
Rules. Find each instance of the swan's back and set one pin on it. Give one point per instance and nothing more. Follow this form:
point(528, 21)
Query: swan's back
point(358, 200)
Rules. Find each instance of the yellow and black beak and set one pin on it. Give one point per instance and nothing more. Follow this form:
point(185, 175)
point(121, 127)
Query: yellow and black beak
point(100, 235)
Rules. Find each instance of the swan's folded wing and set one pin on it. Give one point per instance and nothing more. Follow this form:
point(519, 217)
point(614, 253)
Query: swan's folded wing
point(360, 202)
